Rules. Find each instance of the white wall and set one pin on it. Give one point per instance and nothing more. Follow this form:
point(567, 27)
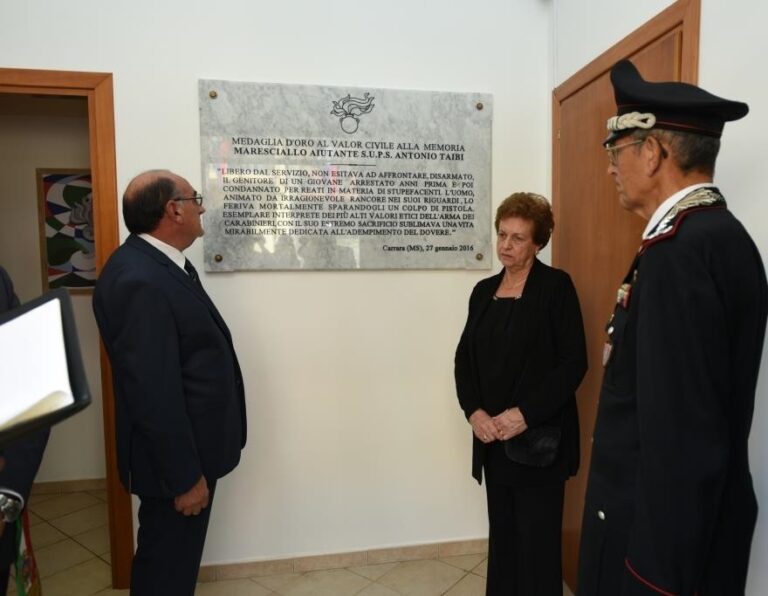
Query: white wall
point(733, 47)
point(355, 437)
point(42, 133)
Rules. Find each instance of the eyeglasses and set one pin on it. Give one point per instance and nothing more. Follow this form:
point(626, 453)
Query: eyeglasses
point(198, 198)
point(613, 151)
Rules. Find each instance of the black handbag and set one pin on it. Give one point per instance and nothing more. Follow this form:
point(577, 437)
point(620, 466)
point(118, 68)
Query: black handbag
point(535, 446)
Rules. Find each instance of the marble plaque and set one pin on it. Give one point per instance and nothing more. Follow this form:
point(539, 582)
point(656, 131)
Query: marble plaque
point(315, 177)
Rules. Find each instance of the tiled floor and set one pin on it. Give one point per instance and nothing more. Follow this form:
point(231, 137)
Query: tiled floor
point(69, 533)
point(71, 542)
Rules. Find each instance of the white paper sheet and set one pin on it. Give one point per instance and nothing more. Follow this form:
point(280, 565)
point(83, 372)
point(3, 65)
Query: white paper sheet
point(34, 379)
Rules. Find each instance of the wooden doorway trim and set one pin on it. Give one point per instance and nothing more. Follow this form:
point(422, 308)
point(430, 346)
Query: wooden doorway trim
point(579, 205)
point(684, 15)
point(97, 89)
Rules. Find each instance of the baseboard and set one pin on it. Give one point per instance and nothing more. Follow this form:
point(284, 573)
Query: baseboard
point(68, 486)
point(441, 550)
point(210, 573)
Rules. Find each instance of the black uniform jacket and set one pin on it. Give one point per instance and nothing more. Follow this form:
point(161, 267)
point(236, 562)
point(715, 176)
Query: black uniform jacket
point(546, 365)
point(670, 507)
point(179, 400)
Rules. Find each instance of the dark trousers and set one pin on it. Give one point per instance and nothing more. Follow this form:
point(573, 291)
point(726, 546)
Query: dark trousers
point(169, 548)
point(524, 552)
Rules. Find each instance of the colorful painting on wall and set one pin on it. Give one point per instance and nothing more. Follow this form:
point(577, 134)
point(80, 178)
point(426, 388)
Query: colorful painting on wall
point(67, 247)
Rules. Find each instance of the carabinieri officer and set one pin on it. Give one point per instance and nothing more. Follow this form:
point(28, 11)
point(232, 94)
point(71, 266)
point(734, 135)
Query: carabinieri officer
point(670, 507)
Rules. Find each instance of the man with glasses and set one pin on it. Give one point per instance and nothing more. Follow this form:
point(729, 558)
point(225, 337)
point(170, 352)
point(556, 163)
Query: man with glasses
point(670, 507)
point(179, 400)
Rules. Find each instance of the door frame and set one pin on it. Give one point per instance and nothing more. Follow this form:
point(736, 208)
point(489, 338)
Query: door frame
point(97, 89)
point(683, 16)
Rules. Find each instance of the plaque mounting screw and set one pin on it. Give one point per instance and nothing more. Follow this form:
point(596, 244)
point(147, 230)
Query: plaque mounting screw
point(479, 256)
point(218, 258)
point(479, 105)
point(213, 94)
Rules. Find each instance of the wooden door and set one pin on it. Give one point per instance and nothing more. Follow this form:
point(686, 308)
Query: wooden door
point(594, 238)
point(97, 88)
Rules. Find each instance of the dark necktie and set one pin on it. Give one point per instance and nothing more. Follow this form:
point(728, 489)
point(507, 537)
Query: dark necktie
point(195, 279)
point(190, 269)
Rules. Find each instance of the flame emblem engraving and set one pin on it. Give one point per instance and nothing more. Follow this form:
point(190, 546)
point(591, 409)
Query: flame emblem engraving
point(349, 109)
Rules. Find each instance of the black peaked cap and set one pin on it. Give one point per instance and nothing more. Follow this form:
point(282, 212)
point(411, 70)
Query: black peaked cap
point(675, 106)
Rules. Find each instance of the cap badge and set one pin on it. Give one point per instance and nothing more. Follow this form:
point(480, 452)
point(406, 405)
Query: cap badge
point(631, 120)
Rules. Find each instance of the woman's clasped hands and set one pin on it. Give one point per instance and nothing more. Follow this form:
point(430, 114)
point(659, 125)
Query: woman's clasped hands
point(506, 425)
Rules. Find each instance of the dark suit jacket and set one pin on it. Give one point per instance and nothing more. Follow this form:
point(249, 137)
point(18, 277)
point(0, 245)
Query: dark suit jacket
point(179, 400)
point(670, 507)
point(547, 363)
point(23, 457)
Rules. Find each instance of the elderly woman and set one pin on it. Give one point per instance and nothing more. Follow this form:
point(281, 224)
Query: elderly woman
point(519, 361)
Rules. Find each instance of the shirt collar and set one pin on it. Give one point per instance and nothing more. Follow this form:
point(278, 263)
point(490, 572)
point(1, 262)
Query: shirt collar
point(664, 208)
point(169, 251)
